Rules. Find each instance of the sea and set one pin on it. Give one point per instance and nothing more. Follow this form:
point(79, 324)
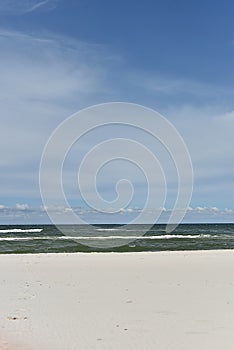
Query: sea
point(21, 239)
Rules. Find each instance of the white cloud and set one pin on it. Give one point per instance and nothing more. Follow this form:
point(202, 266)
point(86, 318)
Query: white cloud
point(21, 206)
point(42, 80)
point(22, 213)
point(228, 211)
point(38, 4)
point(46, 69)
point(18, 7)
point(207, 209)
point(226, 117)
point(185, 90)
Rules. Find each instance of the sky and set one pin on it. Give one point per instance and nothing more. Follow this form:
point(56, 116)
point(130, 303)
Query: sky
point(58, 57)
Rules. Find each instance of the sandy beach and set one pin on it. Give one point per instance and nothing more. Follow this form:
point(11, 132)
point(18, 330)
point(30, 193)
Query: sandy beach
point(166, 301)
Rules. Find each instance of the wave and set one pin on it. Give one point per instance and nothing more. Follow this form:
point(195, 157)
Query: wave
point(118, 230)
point(20, 230)
point(107, 237)
point(109, 229)
point(145, 237)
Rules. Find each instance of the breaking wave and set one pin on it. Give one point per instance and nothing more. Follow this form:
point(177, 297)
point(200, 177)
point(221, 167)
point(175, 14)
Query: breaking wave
point(20, 230)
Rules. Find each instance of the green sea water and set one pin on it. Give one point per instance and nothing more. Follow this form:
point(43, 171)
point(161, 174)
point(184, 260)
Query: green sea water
point(129, 238)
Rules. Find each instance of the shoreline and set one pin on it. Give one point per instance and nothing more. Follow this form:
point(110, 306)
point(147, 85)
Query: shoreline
point(122, 253)
point(176, 300)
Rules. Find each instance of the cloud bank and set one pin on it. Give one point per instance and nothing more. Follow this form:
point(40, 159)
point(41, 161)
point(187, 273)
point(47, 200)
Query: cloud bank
point(24, 214)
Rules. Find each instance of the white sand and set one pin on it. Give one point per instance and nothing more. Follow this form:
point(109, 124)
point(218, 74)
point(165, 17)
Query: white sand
point(165, 301)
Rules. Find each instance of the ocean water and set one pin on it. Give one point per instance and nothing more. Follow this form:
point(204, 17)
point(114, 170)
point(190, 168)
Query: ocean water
point(48, 239)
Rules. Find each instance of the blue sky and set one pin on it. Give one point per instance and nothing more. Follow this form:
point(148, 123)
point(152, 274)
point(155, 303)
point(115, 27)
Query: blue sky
point(60, 56)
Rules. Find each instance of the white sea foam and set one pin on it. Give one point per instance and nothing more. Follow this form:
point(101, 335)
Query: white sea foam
point(145, 237)
point(19, 230)
point(105, 237)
